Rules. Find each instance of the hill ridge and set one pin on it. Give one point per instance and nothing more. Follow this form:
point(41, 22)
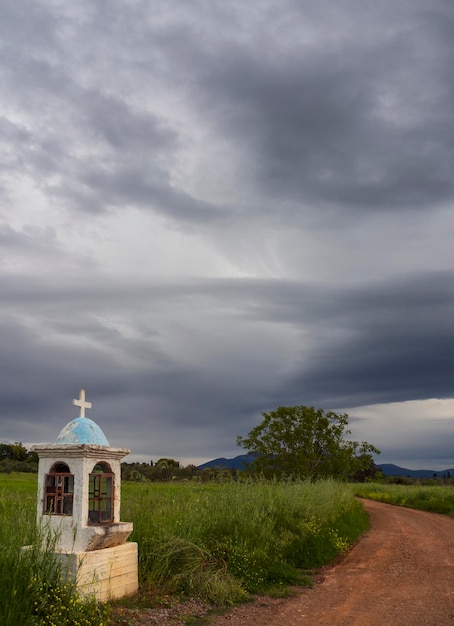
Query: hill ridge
point(390, 469)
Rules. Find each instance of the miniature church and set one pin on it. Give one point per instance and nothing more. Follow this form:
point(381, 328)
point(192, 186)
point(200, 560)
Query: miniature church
point(79, 484)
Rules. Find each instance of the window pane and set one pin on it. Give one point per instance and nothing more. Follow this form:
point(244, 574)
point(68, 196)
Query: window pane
point(58, 493)
point(105, 513)
point(100, 496)
point(68, 505)
point(50, 505)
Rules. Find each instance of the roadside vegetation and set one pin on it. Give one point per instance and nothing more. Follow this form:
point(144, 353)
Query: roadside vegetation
point(217, 542)
point(429, 497)
point(220, 542)
point(33, 589)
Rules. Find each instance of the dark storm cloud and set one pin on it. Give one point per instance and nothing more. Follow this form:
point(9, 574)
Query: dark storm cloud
point(85, 146)
point(381, 343)
point(128, 162)
point(367, 345)
point(144, 188)
point(301, 155)
point(363, 124)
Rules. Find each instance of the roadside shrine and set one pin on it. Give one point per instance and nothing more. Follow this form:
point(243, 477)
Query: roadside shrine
point(79, 491)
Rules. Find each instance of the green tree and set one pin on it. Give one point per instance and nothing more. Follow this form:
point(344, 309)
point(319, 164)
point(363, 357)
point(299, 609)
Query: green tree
point(13, 451)
point(305, 442)
point(165, 469)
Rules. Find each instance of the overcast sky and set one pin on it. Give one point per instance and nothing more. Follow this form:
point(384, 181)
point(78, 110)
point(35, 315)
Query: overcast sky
point(212, 209)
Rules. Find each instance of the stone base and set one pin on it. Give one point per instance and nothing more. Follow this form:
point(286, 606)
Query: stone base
point(104, 574)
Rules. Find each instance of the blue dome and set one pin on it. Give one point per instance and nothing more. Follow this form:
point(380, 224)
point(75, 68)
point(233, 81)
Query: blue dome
point(82, 430)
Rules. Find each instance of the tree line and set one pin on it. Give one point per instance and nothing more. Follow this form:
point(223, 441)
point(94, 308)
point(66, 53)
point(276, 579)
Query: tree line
point(298, 442)
point(171, 470)
point(14, 457)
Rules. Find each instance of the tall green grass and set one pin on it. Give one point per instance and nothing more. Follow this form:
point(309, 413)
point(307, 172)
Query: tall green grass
point(33, 588)
point(427, 498)
point(222, 542)
point(21, 484)
point(217, 542)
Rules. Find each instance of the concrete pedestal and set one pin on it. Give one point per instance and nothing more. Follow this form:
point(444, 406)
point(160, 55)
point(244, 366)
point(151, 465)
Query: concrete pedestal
point(103, 574)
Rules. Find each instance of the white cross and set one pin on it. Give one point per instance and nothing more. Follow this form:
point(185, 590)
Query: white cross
point(81, 403)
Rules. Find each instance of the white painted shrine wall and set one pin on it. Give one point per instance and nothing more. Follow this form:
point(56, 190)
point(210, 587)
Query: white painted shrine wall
point(73, 532)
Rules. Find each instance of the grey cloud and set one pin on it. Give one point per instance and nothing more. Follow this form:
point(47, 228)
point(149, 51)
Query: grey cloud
point(367, 346)
point(359, 125)
point(254, 130)
point(382, 346)
point(345, 124)
point(144, 187)
point(127, 130)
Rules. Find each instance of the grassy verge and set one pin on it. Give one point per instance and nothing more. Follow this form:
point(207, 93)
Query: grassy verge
point(221, 542)
point(427, 498)
point(215, 542)
point(33, 591)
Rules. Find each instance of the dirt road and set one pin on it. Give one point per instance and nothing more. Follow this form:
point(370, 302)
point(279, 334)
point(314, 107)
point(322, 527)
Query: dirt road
point(401, 573)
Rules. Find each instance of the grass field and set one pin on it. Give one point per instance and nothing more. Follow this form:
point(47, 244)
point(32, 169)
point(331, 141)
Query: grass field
point(20, 484)
point(33, 591)
point(220, 542)
point(427, 498)
point(217, 542)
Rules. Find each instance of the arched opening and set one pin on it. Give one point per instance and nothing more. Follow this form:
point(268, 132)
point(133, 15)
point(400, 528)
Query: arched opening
point(59, 490)
point(100, 494)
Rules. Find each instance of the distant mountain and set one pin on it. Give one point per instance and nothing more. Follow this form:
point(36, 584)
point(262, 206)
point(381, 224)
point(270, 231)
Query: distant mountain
point(239, 463)
point(394, 470)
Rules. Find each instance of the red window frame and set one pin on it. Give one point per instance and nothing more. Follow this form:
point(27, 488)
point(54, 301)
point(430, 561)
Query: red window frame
point(101, 495)
point(59, 491)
